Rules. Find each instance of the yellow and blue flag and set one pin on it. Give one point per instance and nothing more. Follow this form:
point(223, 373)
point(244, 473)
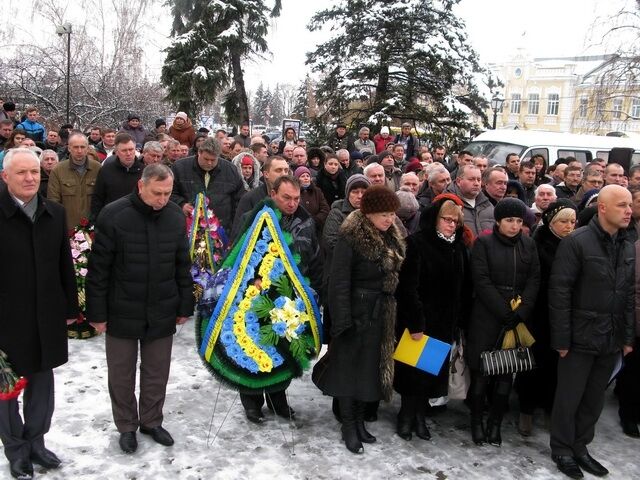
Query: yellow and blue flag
point(427, 354)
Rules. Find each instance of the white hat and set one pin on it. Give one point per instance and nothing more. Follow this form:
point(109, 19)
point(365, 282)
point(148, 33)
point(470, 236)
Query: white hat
point(182, 115)
point(384, 130)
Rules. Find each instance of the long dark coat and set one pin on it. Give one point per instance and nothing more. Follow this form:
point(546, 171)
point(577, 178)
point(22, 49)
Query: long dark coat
point(332, 188)
point(501, 268)
point(434, 297)
point(37, 286)
point(364, 276)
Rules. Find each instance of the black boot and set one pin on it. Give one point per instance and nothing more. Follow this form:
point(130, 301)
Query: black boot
point(422, 431)
point(363, 435)
point(371, 411)
point(349, 431)
point(406, 416)
point(494, 422)
point(478, 434)
point(336, 409)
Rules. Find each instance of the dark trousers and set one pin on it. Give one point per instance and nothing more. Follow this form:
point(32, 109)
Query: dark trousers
point(18, 436)
point(256, 401)
point(155, 360)
point(582, 380)
point(628, 387)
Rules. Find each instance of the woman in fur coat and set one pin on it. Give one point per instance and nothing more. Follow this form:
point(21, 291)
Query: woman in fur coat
point(434, 298)
point(358, 367)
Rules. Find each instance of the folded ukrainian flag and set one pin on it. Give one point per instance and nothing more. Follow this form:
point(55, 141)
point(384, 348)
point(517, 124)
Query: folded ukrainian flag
point(427, 354)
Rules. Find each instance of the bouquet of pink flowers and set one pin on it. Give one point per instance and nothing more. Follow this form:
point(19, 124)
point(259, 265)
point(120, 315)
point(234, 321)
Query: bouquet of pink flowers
point(10, 384)
point(81, 239)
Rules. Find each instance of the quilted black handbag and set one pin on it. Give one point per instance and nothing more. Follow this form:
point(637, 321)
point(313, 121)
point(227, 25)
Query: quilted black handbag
point(506, 361)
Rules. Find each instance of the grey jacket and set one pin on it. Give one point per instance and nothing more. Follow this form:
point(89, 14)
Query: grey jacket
point(478, 218)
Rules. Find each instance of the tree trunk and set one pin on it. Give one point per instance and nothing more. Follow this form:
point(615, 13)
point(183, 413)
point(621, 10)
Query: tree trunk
point(382, 89)
point(238, 84)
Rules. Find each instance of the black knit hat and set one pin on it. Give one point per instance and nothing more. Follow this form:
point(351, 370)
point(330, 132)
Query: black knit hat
point(509, 207)
point(555, 208)
point(160, 121)
point(379, 199)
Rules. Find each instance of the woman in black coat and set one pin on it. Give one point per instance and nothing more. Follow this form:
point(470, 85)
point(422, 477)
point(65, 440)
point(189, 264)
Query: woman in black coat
point(358, 367)
point(434, 296)
point(504, 266)
point(537, 387)
point(331, 179)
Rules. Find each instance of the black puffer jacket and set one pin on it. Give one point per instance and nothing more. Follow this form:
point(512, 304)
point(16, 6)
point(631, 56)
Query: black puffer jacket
point(502, 268)
point(114, 181)
point(591, 292)
point(139, 280)
point(224, 190)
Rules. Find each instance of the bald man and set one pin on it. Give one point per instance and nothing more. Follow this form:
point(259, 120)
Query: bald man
point(591, 307)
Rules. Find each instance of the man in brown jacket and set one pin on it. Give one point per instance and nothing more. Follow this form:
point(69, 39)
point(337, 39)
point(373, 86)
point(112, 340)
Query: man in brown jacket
point(71, 182)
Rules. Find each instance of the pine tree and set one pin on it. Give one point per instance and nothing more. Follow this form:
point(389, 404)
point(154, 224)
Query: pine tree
point(301, 107)
point(212, 38)
point(408, 59)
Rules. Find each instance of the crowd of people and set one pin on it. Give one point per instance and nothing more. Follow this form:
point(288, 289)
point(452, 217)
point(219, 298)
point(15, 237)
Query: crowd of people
point(394, 234)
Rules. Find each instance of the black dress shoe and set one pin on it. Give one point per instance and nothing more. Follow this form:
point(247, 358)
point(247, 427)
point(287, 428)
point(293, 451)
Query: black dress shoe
point(128, 442)
point(254, 415)
point(159, 435)
point(21, 469)
point(591, 465)
point(568, 466)
point(45, 458)
point(630, 429)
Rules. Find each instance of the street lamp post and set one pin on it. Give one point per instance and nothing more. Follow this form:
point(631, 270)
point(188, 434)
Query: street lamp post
point(66, 29)
point(496, 106)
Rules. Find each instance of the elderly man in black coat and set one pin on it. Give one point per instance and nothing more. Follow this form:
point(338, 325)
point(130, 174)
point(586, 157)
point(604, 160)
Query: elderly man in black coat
point(209, 173)
point(591, 313)
point(138, 288)
point(37, 292)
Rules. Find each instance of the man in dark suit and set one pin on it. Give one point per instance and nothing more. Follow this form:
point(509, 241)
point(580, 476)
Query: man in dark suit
point(38, 292)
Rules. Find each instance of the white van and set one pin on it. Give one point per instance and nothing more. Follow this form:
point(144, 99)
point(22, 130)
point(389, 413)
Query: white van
point(496, 144)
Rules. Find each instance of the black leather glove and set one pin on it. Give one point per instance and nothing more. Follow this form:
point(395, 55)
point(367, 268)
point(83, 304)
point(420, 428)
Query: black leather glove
point(512, 321)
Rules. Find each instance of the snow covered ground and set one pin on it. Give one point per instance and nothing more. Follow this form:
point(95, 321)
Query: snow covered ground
point(84, 437)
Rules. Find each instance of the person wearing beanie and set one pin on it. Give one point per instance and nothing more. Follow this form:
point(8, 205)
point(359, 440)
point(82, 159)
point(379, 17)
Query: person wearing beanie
point(505, 268)
point(438, 250)
point(312, 198)
point(249, 168)
point(182, 129)
point(161, 126)
point(414, 166)
point(358, 367)
point(133, 127)
point(536, 388)
point(382, 139)
point(409, 211)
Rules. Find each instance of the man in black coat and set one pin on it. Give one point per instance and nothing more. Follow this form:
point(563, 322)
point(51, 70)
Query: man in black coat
point(38, 292)
point(591, 309)
point(299, 223)
point(138, 288)
point(206, 172)
point(117, 178)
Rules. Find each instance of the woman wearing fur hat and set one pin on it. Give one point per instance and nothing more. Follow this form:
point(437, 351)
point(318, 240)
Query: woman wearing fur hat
point(428, 307)
point(249, 168)
point(537, 388)
point(505, 268)
point(364, 275)
point(182, 130)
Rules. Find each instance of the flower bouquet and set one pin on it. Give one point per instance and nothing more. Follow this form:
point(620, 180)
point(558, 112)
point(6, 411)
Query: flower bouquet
point(208, 244)
point(263, 326)
point(10, 384)
point(81, 239)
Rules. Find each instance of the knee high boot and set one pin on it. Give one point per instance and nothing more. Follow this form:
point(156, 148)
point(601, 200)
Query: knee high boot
point(420, 424)
point(406, 416)
point(494, 422)
point(336, 409)
point(349, 431)
point(363, 434)
point(476, 404)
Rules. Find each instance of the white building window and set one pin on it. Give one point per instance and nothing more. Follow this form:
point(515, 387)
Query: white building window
point(534, 103)
point(584, 107)
point(553, 103)
point(617, 107)
point(516, 99)
point(635, 108)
